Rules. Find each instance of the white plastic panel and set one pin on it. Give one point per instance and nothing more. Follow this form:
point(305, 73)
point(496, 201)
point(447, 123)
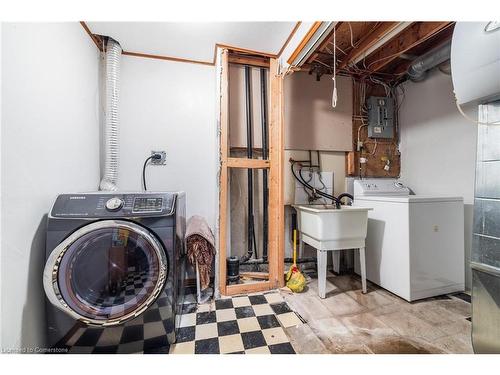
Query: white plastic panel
point(310, 121)
point(325, 184)
point(475, 62)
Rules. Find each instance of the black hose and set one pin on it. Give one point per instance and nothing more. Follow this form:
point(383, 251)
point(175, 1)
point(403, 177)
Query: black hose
point(144, 172)
point(319, 192)
point(335, 200)
point(265, 191)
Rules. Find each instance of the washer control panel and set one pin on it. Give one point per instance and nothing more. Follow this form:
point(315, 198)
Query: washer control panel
point(380, 186)
point(112, 204)
point(147, 204)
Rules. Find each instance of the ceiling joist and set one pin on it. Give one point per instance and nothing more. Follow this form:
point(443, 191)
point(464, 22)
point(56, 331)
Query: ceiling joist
point(382, 49)
point(411, 37)
point(367, 42)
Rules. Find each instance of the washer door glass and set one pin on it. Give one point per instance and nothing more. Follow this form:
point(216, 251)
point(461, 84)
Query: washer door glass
point(111, 272)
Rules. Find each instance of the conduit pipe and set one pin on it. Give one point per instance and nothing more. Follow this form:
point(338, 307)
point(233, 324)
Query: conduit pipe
point(417, 71)
point(251, 243)
point(265, 190)
point(111, 127)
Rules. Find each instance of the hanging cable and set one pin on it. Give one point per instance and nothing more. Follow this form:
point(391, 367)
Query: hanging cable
point(155, 156)
point(334, 93)
point(144, 173)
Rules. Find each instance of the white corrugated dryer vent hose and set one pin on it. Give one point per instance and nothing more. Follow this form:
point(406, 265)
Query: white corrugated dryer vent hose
point(111, 127)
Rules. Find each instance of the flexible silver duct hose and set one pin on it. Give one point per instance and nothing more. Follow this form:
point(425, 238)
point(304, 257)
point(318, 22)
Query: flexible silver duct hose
point(111, 142)
point(422, 64)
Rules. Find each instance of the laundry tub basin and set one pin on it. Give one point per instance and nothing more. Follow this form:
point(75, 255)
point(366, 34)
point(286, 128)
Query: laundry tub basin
point(326, 227)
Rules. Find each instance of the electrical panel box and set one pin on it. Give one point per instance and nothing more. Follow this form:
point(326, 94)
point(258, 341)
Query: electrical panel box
point(380, 117)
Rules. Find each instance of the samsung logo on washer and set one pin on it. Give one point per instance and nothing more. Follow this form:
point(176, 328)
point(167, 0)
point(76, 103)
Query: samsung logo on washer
point(78, 197)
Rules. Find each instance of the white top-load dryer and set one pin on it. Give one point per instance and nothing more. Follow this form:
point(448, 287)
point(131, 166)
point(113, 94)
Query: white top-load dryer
point(415, 243)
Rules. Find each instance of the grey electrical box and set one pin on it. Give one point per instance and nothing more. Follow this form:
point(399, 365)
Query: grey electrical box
point(380, 117)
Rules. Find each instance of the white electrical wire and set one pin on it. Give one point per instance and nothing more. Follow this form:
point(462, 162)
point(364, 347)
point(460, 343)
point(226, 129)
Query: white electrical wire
point(334, 93)
point(352, 41)
point(471, 119)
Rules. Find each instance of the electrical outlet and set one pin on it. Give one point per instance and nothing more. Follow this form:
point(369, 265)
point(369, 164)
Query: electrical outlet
point(161, 161)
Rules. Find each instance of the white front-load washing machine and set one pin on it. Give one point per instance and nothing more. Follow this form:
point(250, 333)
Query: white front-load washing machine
point(114, 272)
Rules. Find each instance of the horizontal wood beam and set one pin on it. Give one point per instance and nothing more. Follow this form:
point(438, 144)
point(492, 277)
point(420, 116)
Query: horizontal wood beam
point(244, 50)
point(411, 37)
point(249, 60)
point(257, 286)
point(247, 163)
point(255, 275)
point(367, 42)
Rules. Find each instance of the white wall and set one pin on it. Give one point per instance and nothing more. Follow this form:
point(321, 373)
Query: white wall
point(438, 146)
point(50, 145)
point(170, 106)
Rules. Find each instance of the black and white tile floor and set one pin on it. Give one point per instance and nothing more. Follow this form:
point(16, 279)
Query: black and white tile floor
point(148, 333)
point(245, 324)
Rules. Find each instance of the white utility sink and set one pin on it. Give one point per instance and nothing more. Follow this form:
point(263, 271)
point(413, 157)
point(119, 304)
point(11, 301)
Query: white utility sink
point(328, 228)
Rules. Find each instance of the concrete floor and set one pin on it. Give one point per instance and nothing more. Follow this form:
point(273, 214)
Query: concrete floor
point(347, 321)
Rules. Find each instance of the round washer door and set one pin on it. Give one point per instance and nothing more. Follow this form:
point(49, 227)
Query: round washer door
point(106, 272)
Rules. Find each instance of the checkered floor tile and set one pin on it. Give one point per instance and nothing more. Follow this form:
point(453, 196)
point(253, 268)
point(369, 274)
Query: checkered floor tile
point(243, 324)
point(150, 332)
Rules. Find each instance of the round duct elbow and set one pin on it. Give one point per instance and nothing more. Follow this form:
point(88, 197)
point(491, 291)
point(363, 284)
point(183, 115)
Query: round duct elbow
point(418, 70)
point(416, 73)
point(107, 185)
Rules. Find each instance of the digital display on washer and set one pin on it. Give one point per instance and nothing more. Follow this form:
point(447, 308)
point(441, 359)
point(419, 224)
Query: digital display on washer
point(147, 204)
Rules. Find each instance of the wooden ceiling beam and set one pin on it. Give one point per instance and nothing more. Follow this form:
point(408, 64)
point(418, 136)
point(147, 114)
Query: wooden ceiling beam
point(367, 42)
point(411, 37)
point(325, 42)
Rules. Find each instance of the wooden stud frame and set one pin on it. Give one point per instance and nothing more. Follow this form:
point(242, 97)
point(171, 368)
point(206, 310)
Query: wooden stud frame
point(275, 277)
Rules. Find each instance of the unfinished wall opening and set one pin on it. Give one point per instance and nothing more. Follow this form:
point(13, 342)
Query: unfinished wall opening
point(250, 192)
point(248, 231)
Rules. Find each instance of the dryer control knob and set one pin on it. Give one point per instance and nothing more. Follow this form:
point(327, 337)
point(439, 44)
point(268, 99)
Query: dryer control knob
point(114, 204)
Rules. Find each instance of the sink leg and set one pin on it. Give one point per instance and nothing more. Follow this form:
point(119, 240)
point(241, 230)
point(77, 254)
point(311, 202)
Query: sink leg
point(362, 265)
point(336, 261)
point(322, 260)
